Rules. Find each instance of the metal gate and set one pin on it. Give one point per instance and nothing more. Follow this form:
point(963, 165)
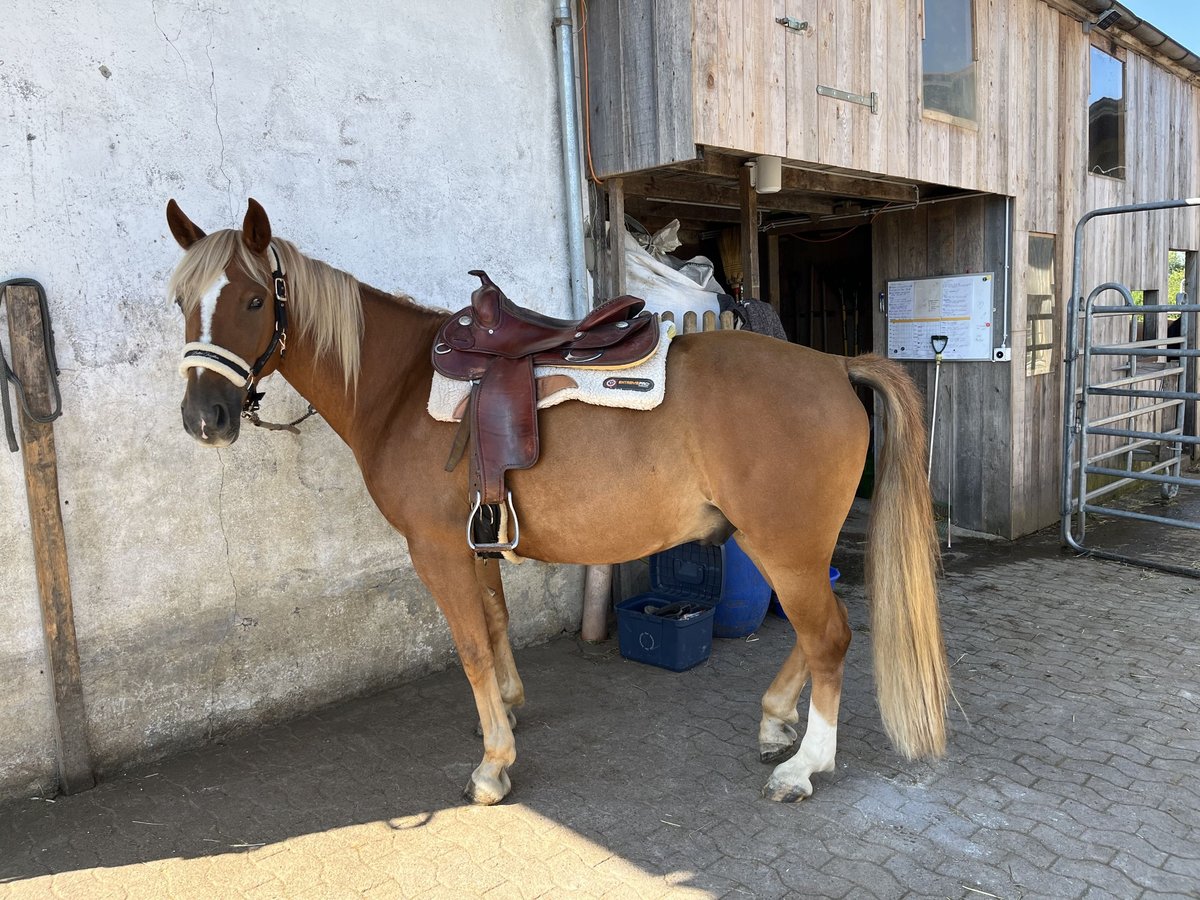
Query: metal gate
point(1129, 410)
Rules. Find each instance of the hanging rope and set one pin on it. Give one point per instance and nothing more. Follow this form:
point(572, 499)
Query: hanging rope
point(8, 376)
point(278, 426)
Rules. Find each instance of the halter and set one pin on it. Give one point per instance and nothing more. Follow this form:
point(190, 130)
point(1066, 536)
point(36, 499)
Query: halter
point(200, 355)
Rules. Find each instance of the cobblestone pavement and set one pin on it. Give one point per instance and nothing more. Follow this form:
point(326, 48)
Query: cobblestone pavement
point(1073, 771)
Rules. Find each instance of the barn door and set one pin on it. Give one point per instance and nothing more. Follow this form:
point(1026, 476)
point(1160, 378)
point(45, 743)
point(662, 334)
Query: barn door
point(834, 74)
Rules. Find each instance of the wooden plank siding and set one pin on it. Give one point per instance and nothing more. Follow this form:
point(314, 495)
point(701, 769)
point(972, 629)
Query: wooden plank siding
point(1032, 80)
point(749, 87)
point(640, 70)
point(973, 441)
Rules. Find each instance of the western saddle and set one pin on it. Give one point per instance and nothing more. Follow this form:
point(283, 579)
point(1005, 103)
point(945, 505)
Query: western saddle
point(495, 344)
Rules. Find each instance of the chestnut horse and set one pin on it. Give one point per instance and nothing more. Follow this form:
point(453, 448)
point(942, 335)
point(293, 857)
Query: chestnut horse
point(757, 437)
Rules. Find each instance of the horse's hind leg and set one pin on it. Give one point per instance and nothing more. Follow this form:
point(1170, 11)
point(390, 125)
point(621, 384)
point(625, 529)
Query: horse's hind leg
point(451, 577)
point(822, 636)
point(776, 736)
point(496, 611)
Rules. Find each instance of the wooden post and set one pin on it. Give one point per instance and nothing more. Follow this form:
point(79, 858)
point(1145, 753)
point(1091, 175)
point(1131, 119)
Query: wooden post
point(29, 363)
point(598, 580)
point(616, 236)
point(602, 260)
point(750, 280)
point(774, 291)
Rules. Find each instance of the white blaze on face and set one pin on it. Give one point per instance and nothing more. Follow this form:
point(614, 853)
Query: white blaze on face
point(208, 308)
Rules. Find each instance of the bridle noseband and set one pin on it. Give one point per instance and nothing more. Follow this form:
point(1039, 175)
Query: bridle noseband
point(197, 354)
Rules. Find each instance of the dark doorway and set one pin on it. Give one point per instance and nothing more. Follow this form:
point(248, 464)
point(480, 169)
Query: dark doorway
point(825, 289)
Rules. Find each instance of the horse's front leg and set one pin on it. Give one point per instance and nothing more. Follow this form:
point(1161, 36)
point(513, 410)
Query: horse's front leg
point(496, 610)
point(449, 573)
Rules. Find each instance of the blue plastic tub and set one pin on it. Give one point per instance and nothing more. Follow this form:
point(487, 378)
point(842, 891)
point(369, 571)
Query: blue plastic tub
point(688, 574)
point(834, 575)
point(745, 595)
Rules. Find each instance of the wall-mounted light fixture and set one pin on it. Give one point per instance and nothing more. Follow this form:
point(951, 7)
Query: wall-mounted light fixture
point(1106, 20)
point(766, 174)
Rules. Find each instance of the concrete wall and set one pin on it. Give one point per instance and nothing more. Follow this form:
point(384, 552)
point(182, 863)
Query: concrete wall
point(405, 143)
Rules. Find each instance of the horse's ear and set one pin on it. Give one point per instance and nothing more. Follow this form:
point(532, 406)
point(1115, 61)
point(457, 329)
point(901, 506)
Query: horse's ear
point(256, 228)
point(185, 231)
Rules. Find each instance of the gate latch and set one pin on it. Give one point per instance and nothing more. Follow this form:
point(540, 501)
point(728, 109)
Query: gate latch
point(792, 24)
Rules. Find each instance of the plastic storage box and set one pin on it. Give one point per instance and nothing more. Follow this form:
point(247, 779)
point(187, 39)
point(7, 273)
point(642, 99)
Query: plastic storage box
point(689, 574)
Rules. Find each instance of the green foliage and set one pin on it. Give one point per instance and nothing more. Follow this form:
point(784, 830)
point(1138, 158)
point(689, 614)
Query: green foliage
point(1175, 275)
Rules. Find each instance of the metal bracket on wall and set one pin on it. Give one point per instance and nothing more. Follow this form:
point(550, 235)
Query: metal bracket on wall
point(792, 24)
point(870, 100)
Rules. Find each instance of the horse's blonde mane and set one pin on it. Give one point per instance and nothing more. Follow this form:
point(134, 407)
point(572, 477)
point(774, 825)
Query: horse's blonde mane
point(324, 303)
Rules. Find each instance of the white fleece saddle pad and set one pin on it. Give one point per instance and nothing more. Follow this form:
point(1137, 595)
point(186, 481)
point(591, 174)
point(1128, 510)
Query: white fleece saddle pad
point(636, 387)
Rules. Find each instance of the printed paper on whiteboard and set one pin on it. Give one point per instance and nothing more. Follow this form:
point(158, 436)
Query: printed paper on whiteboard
point(957, 306)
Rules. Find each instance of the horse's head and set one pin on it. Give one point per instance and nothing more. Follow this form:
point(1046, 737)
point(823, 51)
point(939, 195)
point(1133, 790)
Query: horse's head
point(230, 288)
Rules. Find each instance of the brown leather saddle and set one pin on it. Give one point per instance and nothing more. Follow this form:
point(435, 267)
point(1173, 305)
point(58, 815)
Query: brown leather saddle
point(494, 344)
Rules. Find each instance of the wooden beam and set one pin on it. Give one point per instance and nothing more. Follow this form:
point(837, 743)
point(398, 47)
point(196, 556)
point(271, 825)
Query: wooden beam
point(839, 223)
point(690, 190)
point(750, 278)
point(29, 363)
point(689, 215)
point(807, 181)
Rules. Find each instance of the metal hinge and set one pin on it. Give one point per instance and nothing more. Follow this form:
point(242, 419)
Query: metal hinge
point(792, 24)
point(870, 100)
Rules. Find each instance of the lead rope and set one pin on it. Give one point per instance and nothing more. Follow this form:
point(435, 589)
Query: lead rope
point(276, 426)
point(8, 376)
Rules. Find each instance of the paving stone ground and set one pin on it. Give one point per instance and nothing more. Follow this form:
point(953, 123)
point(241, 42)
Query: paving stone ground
point(1073, 771)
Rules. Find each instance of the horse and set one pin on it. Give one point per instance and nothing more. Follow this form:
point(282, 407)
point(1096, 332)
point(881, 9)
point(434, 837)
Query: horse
point(756, 438)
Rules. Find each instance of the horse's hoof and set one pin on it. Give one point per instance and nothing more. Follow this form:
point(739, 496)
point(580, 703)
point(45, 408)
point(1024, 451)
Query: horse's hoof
point(774, 754)
point(786, 792)
point(777, 740)
point(486, 790)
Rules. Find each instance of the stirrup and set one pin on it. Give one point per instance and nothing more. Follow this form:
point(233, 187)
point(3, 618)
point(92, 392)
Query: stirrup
point(498, 546)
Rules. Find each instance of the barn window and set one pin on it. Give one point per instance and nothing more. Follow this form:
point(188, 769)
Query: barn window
point(1041, 310)
point(1106, 116)
point(948, 58)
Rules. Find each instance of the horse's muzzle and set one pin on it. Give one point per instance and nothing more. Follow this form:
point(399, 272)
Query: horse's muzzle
point(212, 411)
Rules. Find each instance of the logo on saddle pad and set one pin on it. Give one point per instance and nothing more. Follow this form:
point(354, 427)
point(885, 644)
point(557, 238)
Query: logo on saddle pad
point(629, 384)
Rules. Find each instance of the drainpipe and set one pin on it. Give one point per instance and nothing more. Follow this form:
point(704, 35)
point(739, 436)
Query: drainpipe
point(598, 579)
point(572, 160)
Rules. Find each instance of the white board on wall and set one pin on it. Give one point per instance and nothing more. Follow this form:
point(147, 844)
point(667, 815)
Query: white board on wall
point(960, 307)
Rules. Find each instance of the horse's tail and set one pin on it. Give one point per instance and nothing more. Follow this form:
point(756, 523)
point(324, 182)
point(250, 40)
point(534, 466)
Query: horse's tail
point(911, 675)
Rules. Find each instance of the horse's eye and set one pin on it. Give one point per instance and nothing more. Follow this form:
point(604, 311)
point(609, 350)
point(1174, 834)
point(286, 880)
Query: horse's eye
point(255, 302)
point(179, 302)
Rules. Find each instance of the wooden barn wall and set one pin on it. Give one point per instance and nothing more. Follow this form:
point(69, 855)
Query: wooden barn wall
point(754, 90)
point(1050, 126)
point(639, 84)
point(973, 441)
